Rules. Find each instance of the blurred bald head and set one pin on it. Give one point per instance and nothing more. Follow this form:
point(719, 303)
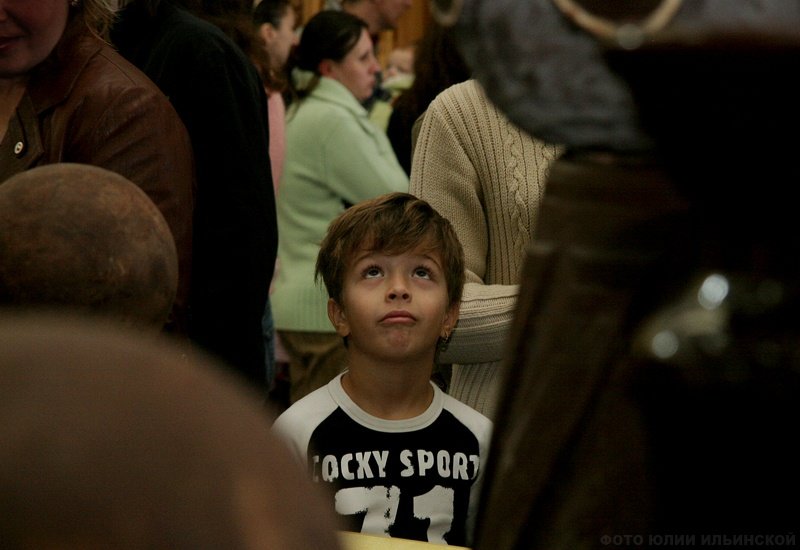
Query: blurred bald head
point(114, 440)
point(82, 237)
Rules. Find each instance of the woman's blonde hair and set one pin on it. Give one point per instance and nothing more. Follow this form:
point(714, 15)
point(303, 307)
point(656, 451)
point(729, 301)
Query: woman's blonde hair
point(98, 15)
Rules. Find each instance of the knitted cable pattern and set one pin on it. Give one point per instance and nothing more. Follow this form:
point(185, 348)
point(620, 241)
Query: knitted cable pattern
point(487, 177)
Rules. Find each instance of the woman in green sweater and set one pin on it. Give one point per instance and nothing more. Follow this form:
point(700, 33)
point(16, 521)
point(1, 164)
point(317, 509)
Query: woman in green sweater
point(335, 157)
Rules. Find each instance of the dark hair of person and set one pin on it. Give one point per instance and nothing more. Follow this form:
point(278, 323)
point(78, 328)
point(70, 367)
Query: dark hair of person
point(330, 35)
point(234, 18)
point(391, 224)
point(272, 12)
point(437, 66)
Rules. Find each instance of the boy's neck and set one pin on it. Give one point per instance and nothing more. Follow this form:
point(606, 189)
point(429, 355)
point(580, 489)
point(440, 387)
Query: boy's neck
point(390, 392)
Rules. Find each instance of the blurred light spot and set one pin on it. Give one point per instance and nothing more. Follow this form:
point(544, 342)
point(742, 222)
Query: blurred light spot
point(664, 344)
point(630, 36)
point(713, 291)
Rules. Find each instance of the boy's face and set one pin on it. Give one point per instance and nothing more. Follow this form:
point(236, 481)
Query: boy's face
point(394, 308)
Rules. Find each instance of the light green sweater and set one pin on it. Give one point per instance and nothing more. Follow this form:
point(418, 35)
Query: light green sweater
point(334, 154)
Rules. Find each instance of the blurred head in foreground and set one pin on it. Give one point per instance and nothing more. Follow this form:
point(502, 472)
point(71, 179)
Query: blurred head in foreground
point(116, 441)
point(84, 238)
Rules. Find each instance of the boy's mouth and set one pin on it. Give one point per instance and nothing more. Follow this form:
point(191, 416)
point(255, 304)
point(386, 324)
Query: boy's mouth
point(398, 316)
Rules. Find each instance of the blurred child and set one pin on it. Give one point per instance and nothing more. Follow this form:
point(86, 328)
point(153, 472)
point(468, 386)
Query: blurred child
point(403, 458)
point(400, 64)
point(396, 77)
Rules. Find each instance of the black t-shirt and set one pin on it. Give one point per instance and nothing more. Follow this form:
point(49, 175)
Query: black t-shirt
point(415, 479)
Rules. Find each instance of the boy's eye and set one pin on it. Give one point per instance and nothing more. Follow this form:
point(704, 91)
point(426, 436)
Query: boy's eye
point(372, 272)
point(422, 273)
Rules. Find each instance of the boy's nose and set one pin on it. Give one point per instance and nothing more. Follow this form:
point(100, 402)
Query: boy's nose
point(398, 290)
point(399, 295)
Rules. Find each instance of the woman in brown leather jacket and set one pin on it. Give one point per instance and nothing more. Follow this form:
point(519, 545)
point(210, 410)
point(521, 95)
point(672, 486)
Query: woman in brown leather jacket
point(67, 96)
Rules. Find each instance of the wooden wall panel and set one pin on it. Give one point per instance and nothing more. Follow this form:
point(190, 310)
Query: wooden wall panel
point(412, 24)
point(307, 8)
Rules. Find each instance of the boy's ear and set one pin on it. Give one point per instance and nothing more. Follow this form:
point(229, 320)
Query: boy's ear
point(338, 318)
point(450, 320)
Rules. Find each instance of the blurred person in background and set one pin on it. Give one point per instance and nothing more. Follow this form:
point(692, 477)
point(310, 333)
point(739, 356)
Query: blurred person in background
point(335, 157)
point(217, 91)
point(67, 96)
point(116, 258)
point(275, 21)
point(115, 439)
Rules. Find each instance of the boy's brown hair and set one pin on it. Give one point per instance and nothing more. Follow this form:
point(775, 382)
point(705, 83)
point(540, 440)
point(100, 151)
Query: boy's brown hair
point(392, 224)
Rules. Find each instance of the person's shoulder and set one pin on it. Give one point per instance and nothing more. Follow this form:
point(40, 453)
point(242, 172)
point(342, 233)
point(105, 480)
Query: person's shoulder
point(321, 111)
point(84, 65)
point(296, 425)
point(322, 121)
point(472, 419)
point(469, 87)
point(114, 71)
point(187, 31)
point(309, 411)
point(338, 99)
point(460, 99)
point(109, 84)
point(190, 41)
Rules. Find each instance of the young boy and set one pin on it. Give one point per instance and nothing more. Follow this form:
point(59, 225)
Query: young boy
point(402, 458)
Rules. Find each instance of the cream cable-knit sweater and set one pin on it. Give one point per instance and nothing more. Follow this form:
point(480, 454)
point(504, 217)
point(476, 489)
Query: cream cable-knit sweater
point(487, 177)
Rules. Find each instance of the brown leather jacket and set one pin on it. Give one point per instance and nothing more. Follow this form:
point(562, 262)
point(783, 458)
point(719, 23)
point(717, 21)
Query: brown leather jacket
point(86, 104)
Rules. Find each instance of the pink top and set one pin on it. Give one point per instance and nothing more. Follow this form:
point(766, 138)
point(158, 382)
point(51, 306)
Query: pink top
point(276, 110)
